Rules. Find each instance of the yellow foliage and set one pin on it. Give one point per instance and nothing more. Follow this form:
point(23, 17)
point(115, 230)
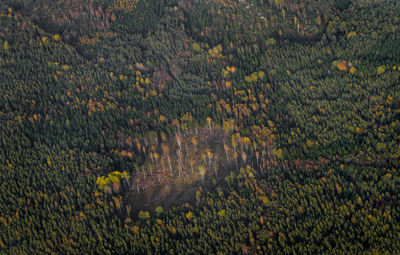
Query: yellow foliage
point(173, 230)
point(278, 153)
point(196, 47)
point(44, 39)
point(6, 45)
point(251, 175)
point(265, 200)
point(248, 79)
point(65, 67)
point(19, 119)
point(102, 181)
point(57, 37)
point(352, 70)
point(338, 188)
point(254, 76)
point(115, 173)
point(125, 5)
point(310, 143)
point(389, 99)
point(135, 229)
point(246, 140)
point(189, 215)
point(114, 176)
point(124, 174)
point(219, 47)
point(381, 69)
point(221, 213)
point(215, 51)
point(351, 34)
point(261, 75)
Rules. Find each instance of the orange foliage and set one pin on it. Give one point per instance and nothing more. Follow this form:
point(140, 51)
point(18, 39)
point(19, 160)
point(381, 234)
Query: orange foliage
point(342, 66)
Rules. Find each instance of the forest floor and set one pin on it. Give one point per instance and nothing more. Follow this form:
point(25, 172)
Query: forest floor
point(172, 193)
point(160, 188)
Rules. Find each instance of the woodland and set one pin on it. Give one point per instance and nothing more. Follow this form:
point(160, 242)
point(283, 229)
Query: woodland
point(199, 127)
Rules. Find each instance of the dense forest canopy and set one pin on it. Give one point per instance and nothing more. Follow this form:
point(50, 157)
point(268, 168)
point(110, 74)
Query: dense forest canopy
point(204, 127)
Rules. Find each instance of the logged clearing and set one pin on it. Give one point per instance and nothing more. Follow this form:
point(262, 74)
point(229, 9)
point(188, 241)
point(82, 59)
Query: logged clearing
point(189, 162)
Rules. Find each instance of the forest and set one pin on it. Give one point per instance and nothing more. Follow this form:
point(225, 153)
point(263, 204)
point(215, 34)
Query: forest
point(200, 127)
